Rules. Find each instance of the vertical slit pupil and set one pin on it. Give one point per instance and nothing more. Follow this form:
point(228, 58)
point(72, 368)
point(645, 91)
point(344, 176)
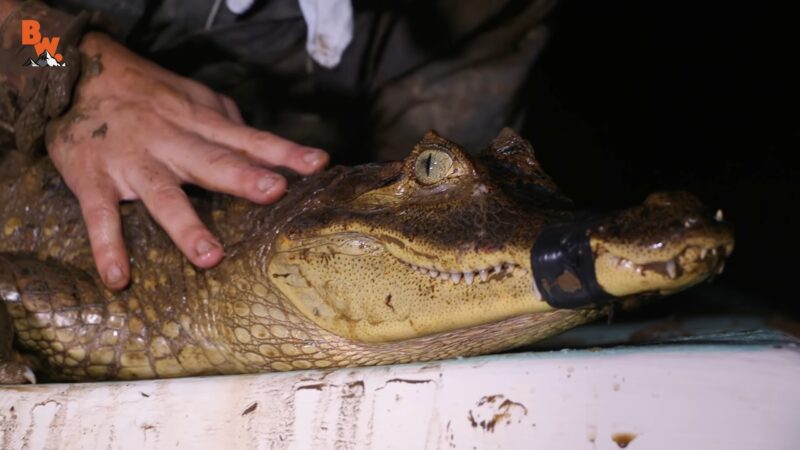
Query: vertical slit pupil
point(428, 164)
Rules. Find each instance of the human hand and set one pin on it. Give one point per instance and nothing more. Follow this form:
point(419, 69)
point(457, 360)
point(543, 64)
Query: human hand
point(138, 131)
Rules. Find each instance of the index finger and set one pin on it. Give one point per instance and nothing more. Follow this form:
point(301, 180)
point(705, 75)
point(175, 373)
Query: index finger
point(263, 146)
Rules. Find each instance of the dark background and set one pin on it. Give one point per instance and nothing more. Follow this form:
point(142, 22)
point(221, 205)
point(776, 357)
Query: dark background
point(634, 97)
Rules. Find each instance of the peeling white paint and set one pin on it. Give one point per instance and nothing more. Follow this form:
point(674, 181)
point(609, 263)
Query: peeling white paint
point(680, 396)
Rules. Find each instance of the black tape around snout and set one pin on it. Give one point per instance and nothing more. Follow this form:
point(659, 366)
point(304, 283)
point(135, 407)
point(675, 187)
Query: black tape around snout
point(563, 267)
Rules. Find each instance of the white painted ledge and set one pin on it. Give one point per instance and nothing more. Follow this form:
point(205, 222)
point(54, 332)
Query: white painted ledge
point(663, 397)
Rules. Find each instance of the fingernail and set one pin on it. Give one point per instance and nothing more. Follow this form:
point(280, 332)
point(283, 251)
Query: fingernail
point(266, 183)
point(313, 157)
point(204, 247)
point(113, 274)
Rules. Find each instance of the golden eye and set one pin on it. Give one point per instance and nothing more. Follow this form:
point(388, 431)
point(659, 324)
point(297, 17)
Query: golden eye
point(432, 165)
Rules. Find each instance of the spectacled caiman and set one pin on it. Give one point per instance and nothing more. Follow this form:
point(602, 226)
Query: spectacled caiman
point(441, 255)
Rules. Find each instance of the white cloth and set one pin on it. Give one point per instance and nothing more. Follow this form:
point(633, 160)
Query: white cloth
point(330, 29)
point(239, 6)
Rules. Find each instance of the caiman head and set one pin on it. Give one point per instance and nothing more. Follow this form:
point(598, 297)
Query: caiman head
point(444, 240)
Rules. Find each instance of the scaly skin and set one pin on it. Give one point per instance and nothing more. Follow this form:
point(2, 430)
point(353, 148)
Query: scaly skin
point(274, 302)
point(175, 320)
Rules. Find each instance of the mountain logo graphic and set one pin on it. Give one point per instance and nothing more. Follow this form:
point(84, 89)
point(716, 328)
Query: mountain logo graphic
point(46, 47)
point(44, 60)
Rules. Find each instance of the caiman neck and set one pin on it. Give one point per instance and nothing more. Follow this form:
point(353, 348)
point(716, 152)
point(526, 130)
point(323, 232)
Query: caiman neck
point(260, 329)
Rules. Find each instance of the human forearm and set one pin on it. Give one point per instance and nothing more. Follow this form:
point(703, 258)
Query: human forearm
point(30, 97)
point(6, 6)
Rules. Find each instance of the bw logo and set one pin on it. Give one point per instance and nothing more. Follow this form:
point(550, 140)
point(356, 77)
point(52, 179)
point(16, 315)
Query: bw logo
point(46, 48)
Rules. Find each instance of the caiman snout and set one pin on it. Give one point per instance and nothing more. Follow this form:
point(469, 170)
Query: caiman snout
point(669, 243)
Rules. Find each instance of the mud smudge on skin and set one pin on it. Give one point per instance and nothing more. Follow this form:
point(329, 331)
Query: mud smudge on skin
point(92, 66)
point(100, 132)
point(62, 127)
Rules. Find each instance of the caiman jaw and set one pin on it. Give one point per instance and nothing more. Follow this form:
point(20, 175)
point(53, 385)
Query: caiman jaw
point(473, 275)
point(620, 276)
point(675, 245)
point(358, 287)
point(467, 264)
point(674, 268)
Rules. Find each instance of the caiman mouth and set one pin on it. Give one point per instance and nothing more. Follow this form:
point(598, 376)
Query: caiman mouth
point(466, 264)
point(376, 288)
point(621, 276)
point(712, 257)
point(495, 272)
point(666, 245)
point(677, 245)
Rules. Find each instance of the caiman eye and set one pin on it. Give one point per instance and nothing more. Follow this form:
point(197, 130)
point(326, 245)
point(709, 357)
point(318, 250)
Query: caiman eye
point(432, 165)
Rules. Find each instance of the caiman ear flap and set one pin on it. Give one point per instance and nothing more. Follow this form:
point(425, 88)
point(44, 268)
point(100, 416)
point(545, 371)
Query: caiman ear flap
point(507, 133)
point(509, 145)
point(511, 158)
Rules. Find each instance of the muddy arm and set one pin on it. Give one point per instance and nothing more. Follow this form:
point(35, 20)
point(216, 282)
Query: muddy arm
point(29, 96)
point(6, 7)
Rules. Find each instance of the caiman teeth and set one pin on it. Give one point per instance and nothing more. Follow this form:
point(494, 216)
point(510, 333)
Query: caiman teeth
point(672, 269)
point(469, 276)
